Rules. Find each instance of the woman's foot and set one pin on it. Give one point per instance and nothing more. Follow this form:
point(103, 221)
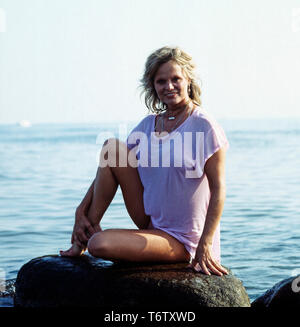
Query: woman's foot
point(74, 251)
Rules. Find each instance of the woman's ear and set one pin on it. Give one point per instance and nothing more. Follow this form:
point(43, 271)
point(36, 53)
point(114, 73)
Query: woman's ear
point(190, 90)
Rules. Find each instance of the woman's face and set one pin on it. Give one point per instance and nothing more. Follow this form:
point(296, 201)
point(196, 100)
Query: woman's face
point(171, 85)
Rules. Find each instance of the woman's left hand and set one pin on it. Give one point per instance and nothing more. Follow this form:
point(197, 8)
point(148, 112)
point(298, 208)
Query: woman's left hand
point(205, 262)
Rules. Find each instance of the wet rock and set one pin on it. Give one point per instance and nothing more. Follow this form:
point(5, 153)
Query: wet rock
point(283, 294)
point(52, 281)
point(7, 292)
point(7, 288)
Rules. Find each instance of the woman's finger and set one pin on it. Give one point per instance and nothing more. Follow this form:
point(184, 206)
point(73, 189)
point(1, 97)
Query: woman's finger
point(82, 237)
point(79, 243)
point(76, 241)
point(204, 268)
point(209, 266)
point(194, 265)
point(86, 226)
point(90, 229)
point(213, 269)
point(219, 267)
point(197, 267)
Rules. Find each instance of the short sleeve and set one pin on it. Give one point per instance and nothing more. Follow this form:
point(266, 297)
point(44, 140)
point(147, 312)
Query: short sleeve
point(131, 141)
point(138, 132)
point(215, 139)
point(211, 138)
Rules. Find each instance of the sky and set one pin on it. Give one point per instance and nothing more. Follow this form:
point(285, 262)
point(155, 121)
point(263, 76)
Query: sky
point(81, 61)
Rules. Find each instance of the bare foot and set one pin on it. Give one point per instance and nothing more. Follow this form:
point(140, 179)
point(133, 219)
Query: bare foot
point(74, 251)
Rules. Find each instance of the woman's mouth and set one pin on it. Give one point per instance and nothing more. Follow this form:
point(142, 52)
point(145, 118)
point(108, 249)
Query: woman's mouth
point(170, 94)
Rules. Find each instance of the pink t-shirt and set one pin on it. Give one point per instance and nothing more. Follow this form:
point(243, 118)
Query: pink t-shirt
point(176, 190)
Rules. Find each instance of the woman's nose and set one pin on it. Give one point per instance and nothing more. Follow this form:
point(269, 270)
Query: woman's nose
point(169, 85)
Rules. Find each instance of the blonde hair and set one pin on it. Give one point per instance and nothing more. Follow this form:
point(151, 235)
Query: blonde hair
point(154, 61)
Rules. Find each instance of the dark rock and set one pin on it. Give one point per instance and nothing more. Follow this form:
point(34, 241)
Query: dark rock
point(283, 294)
point(7, 288)
point(7, 292)
point(52, 281)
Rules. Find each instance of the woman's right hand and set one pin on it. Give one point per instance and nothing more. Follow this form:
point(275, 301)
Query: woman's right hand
point(83, 229)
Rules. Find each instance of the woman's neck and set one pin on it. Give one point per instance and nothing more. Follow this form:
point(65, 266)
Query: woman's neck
point(177, 109)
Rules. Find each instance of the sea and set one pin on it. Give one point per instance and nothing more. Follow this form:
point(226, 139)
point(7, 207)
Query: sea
point(46, 169)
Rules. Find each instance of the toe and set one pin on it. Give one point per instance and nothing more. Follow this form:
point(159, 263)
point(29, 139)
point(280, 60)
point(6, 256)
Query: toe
point(65, 253)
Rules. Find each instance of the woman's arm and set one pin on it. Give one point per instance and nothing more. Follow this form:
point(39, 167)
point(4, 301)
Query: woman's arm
point(86, 201)
point(83, 229)
point(215, 172)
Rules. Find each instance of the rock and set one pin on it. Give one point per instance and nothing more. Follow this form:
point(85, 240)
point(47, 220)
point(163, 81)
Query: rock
point(7, 288)
point(7, 291)
point(52, 281)
point(283, 294)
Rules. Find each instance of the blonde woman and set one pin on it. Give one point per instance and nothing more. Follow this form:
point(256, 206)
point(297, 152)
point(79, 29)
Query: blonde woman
point(176, 206)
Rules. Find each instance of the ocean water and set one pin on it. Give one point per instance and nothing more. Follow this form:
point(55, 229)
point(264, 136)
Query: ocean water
point(46, 169)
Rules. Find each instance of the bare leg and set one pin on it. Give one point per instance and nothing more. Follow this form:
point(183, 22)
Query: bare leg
point(137, 245)
point(108, 178)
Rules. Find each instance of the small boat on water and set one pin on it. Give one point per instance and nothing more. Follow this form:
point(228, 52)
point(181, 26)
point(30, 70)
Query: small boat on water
point(24, 123)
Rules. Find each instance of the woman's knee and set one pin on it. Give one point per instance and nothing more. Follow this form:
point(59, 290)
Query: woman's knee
point(98, 245)
point(114, 153)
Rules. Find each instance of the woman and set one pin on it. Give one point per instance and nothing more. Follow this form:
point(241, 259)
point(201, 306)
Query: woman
point(176, 208)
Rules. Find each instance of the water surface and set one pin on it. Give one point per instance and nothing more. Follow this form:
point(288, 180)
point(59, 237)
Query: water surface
point(46, 169)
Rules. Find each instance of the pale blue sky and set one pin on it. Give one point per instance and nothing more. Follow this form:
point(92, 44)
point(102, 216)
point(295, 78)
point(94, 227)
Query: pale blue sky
point(81, 61)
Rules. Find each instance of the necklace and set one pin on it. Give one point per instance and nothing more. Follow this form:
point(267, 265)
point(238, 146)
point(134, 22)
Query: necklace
point(161, 118)
point(172, 117)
